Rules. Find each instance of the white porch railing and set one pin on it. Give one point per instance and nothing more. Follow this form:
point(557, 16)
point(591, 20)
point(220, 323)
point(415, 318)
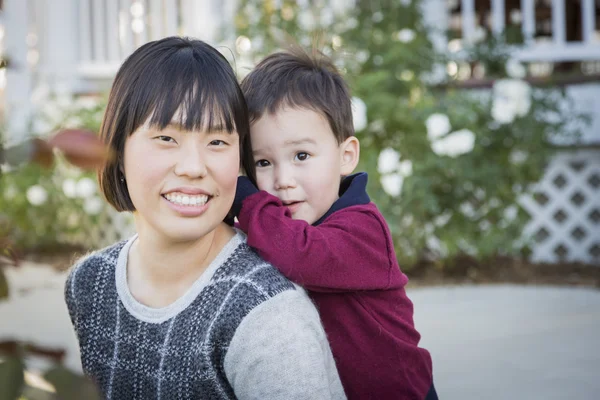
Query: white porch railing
point(79, 41)
point(556, 51)
point(77, 45)
point(111, 29)
point(565, 207)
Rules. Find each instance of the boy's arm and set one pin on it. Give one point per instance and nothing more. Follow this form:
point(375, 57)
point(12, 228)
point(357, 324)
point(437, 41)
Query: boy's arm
point(280, 351)
point(350, 251)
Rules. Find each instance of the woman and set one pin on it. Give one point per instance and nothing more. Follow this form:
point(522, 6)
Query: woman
point(184, 309)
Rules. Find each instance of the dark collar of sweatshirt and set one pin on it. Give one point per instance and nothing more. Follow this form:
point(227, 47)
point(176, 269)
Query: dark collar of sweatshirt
point(353, 192)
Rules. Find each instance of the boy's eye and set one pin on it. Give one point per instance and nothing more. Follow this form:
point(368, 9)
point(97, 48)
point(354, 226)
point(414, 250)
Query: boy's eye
point(302, 156)
point(262, 163)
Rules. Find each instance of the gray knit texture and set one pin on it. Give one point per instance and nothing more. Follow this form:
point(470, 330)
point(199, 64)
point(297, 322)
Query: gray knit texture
point(180, 356)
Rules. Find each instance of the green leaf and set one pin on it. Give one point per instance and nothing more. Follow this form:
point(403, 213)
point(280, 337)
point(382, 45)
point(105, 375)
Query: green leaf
point(70, 386)
point(3, 285)
point(11, 378)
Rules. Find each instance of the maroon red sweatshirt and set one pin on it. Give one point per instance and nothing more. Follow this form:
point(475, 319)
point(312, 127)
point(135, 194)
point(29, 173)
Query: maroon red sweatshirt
point(347, 263)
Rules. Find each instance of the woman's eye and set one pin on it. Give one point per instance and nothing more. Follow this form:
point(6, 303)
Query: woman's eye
point(164, 138)
point(218, 142)
point(262, 163)
point(302, 156)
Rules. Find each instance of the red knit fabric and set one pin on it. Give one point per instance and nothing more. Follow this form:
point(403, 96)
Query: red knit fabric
point(348, 265)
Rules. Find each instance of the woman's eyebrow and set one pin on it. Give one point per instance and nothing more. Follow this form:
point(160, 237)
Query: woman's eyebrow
point(217, 128)
point(175, 125)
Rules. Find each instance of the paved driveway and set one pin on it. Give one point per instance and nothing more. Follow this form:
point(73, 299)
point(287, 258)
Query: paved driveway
point(512, 342)
point(488, 342)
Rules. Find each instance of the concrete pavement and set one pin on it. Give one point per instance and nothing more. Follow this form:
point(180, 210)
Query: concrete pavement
point(511, 342)
point(501, 342)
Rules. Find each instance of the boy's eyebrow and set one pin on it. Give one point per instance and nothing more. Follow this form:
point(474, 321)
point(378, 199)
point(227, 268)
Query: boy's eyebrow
point(291, 143)
point(299, 141)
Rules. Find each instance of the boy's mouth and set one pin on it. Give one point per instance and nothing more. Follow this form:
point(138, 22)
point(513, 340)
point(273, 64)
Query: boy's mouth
point(290, 202)
point(293, 205)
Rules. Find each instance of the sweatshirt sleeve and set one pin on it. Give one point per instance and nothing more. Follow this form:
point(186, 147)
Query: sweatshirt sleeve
point(280, 351)
point(351, 250)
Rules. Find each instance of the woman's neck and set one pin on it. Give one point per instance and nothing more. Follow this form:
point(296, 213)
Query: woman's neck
point(170, 268)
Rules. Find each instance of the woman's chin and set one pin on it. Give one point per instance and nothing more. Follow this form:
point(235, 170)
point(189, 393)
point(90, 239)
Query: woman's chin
point(188, 231)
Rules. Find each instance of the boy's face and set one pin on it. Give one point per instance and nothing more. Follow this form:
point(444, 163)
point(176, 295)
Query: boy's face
point(299, 160)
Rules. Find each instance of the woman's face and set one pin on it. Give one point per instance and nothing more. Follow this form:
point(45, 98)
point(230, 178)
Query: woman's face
point(182, 183)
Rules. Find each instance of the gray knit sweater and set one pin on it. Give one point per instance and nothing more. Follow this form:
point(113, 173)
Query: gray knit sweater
point(241, 331)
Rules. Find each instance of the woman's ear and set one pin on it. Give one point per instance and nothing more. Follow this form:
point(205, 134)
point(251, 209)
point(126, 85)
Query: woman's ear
point(349, 153)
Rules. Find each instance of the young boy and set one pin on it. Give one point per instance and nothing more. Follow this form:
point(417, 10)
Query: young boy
point(314, 222)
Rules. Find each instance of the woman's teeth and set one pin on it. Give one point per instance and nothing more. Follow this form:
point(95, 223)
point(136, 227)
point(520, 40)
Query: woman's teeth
point(186, 200)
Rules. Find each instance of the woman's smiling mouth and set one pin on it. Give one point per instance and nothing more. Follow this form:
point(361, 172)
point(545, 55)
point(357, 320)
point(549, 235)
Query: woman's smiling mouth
point(188, 204)
point(183, 199)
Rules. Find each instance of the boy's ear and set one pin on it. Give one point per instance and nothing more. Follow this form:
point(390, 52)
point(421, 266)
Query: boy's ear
point(350, 151)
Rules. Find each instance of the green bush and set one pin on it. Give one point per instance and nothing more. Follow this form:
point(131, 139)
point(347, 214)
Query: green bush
point(50, 209)
point(447, 165)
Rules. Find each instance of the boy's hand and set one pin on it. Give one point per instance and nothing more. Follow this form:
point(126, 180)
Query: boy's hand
point(244, 189)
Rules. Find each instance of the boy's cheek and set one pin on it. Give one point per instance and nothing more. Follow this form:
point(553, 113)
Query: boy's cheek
point(263, 181)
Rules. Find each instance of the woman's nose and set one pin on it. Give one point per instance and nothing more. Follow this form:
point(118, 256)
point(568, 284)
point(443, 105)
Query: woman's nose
point(190, 163)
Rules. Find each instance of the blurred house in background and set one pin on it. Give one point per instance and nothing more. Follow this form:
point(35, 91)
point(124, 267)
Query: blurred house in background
point(76, 47)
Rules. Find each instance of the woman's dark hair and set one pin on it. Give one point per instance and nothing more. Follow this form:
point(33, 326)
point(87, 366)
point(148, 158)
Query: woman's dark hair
point(170, 78)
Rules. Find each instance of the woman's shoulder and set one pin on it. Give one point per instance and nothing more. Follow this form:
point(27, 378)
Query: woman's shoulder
point(93, 262)
point(91, 272)
point(245, 264)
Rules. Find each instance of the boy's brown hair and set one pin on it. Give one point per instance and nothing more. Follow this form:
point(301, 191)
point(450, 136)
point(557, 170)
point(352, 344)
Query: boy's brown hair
point(295, 78)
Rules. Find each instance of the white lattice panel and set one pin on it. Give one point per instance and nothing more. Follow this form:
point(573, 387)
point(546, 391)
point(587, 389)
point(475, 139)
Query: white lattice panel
point(565, 209)
point(114, 227)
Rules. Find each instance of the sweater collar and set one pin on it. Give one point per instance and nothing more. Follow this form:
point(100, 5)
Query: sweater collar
point(353, 192)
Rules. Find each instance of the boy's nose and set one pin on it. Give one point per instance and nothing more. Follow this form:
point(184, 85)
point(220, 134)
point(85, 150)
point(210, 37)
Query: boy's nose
point(284, 179)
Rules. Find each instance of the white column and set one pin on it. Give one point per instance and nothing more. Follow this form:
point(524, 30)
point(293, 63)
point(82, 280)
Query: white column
point(200, 19)
point(85, 31)
point(468, 19)
point(99, 30)
point(498, 16)
point(156, 19)
point(171, 27)
point(59, 55)
point(528, 27)
point(142, 35)
point(558, 22)
point(112, 30)
point(19, 77)
point(126, 35)
point(589, 20)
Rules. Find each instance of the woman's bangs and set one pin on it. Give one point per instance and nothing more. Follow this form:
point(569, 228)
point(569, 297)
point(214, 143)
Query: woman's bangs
point(200, 106)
